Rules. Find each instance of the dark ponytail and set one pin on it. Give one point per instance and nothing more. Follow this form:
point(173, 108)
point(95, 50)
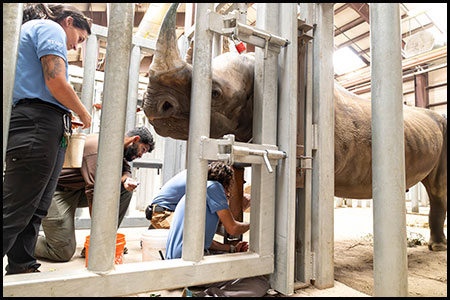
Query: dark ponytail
point(32, 11)
point(57, 13)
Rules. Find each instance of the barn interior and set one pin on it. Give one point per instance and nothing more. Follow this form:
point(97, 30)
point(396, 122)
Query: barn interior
point(424, 75)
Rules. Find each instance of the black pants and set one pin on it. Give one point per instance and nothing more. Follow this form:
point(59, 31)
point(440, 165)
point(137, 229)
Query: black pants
point(34, 160)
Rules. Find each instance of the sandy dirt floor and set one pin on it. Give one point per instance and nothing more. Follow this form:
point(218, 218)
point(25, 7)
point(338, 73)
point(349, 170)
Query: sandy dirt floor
point(353, 253)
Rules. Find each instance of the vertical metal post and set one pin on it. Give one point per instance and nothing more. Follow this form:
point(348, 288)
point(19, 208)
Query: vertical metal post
point(322, 216)
point(242, 7)
point(90, 65)
point(388, 155)
point(423, 195)
point(110, 152)
point(303, 227)
point(262, 216)
point(216, 45)
point(414, 198)
point(133, 85)
point(188, 16)
point(283, 278)
point(200, 118)
point(12, 20)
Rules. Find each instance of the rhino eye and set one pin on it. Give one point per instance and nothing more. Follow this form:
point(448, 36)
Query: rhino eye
point(216, 93)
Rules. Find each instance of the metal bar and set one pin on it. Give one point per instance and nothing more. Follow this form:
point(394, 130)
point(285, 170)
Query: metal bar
point(303, 227)
point(242, 8)
point(262, 217)
point(216, 45)
point(12, 20)
point(388, 161)
point(146, 45)
point(323, 158)
point(283, 278)
point(436, 86)
point(90, 65)
point(133, 85)
point(414, 198)
point(195, 211)
point(421, 97)
point(437, 104)
point(99, 31)
point(138, 277)
point(110, 152)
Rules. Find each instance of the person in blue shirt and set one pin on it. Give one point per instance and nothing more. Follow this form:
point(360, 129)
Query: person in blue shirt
point(218, 187)
point(160, 211)
point(39, 126)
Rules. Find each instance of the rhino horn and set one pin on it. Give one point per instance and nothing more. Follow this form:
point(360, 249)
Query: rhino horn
point(167, 57)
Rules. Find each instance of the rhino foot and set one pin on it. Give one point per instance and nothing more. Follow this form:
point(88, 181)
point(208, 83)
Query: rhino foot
point(437, 246)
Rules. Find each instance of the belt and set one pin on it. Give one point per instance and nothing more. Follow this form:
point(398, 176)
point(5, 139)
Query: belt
point(157, 208)
point(41, 102)
point(63, 189)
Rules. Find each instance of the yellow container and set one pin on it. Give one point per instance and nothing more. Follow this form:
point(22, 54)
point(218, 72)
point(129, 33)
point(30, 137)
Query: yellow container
point(74, 151)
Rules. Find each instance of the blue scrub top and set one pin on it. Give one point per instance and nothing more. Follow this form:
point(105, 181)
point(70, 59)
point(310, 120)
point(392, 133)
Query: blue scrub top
point(38, 38)
point(171, 193)
point(215, 200)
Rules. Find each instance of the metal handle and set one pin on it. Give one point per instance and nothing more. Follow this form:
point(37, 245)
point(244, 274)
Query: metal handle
point(266, 160)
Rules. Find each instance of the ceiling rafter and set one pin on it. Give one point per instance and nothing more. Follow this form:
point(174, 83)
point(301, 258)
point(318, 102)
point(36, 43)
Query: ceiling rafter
point(362, 9)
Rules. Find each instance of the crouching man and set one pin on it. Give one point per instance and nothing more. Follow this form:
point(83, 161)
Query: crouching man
point(76, 189)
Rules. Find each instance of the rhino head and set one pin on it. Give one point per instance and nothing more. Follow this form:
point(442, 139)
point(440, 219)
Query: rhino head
point(168, 96)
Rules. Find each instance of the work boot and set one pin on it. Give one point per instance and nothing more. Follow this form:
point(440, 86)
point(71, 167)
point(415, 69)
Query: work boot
point(32, 270)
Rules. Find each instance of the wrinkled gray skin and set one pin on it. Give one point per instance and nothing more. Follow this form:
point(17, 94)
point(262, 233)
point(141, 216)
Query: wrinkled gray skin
point(167, 103)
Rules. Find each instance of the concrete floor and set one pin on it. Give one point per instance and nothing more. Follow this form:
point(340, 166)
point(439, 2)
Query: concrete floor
point(133, 238)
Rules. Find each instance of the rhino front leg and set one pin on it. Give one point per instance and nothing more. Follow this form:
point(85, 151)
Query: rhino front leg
point(436, 217)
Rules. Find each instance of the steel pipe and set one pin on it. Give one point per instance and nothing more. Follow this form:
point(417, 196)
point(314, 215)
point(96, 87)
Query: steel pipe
point(199, 125)
point(322, 215)
point(388, 155)
point(283, 278)
point(262, 215)
point(303, 218)
point(133, 85)
point(414, 198)
point(90, 66)
point(105, 206)
point(12, 20)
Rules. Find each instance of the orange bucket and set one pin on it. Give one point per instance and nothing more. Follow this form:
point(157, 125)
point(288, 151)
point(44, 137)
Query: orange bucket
point(120, 245)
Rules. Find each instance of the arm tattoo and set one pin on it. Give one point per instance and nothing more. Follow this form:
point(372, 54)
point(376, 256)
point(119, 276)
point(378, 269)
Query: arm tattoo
point(51, 66)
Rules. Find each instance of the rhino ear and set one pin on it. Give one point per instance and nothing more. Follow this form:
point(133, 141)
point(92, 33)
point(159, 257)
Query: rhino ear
point(189, 53)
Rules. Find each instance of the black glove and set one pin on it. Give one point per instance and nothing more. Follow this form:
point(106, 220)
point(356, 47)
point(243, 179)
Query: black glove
point(149, 212)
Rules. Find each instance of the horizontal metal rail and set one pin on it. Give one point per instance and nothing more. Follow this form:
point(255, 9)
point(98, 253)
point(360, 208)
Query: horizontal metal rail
point(139, 277)
point(146, 45)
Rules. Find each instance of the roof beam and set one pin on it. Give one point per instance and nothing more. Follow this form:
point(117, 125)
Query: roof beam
point(362, 9)
point(348, 26)
point(338, 10)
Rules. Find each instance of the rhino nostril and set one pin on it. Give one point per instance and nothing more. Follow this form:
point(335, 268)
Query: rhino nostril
point(166, 106)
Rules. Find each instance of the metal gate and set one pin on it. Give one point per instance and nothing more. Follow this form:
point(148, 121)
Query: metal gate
point(271, 242)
